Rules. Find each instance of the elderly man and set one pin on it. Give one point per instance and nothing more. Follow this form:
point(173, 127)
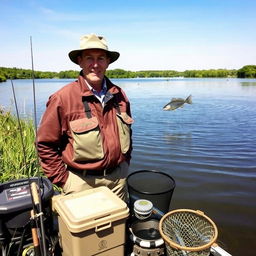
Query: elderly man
point(84, 138)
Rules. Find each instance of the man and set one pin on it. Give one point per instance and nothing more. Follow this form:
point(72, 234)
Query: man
point(84, 138)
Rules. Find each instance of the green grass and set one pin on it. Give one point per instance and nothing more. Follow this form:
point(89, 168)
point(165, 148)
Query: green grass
point(12, 159)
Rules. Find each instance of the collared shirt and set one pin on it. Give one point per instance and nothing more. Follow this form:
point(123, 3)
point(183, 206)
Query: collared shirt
point(99, 95)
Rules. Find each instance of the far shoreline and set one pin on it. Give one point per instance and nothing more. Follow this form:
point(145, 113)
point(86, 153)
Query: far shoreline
point(248, 71)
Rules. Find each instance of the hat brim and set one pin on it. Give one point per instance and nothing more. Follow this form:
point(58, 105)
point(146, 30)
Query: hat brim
point(113, 56)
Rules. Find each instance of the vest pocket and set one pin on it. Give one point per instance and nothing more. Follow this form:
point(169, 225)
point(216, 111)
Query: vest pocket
point(124, 126)
point(87, 142)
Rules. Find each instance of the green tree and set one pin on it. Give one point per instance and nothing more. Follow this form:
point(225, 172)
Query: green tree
point(248, 71)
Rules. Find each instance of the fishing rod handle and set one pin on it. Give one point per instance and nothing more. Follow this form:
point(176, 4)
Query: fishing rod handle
point(35, 193)
point(35, 238)
point(33, 230)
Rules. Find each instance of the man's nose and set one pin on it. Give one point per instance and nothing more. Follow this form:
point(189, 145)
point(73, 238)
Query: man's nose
point(95, 62)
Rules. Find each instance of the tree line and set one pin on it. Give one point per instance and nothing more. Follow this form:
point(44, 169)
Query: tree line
point(248, 71)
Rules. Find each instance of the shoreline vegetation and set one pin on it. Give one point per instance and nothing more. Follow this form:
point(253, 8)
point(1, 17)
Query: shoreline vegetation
point(14, 164)
point(248, 71)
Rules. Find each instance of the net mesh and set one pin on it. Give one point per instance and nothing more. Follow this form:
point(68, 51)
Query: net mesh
point(186, 229)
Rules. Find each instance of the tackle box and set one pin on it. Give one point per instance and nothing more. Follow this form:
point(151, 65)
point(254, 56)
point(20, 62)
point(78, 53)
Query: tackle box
point(91, 222)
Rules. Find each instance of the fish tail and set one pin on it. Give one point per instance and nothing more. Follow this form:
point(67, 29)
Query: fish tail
point(189, 99)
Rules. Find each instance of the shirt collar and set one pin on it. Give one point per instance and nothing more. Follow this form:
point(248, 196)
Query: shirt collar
point(99, 95)
point(103, 89)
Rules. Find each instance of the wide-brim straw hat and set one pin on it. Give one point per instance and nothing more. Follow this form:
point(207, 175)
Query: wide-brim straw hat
point(93, 41)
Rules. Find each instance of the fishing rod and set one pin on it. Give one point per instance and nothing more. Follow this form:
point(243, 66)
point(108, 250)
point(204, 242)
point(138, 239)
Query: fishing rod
point(34, 187)
point(34, 90)
point(33, 230)
point(36, 195)
point(20, 128)
point(19, 242)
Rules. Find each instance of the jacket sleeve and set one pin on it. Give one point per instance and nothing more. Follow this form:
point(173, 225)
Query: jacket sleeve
point(48, 142)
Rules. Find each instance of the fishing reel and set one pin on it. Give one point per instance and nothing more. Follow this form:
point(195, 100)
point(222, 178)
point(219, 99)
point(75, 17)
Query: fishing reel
point(15, 215)
point(28, 251)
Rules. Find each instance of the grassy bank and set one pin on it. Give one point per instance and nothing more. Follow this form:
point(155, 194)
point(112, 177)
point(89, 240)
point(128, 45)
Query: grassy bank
point(12, 162)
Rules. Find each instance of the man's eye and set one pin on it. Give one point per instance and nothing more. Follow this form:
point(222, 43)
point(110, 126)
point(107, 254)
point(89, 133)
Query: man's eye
point(88, 58)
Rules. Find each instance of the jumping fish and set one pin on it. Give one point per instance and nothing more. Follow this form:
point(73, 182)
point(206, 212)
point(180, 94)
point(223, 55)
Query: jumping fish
point(177, 103)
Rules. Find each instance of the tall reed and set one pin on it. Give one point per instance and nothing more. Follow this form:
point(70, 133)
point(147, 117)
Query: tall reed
point(12, 160)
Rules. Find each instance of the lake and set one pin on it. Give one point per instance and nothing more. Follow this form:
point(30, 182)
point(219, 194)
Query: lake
point(209, 147)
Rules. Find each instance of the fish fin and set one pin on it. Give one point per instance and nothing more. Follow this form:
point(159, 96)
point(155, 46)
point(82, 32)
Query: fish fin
point(189, 99)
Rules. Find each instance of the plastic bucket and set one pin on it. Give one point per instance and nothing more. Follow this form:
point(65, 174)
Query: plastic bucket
point(154, 186)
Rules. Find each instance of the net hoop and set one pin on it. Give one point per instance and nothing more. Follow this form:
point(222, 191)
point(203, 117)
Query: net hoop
point(185, 248)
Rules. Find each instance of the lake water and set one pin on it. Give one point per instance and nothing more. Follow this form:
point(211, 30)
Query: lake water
point(209, 147)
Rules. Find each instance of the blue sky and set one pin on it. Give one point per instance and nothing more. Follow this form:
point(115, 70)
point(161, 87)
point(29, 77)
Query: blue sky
point(149, 34)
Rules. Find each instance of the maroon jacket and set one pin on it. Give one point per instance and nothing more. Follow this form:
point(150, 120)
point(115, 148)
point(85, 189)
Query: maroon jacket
point(54, 138)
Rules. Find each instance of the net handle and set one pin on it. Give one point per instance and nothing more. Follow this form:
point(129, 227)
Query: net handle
point(185, 248)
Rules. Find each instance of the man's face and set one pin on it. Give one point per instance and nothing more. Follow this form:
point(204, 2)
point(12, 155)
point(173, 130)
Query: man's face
point(94, 63)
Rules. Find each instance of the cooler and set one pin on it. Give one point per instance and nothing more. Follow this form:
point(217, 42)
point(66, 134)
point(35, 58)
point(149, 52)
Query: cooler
point(91, 222)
